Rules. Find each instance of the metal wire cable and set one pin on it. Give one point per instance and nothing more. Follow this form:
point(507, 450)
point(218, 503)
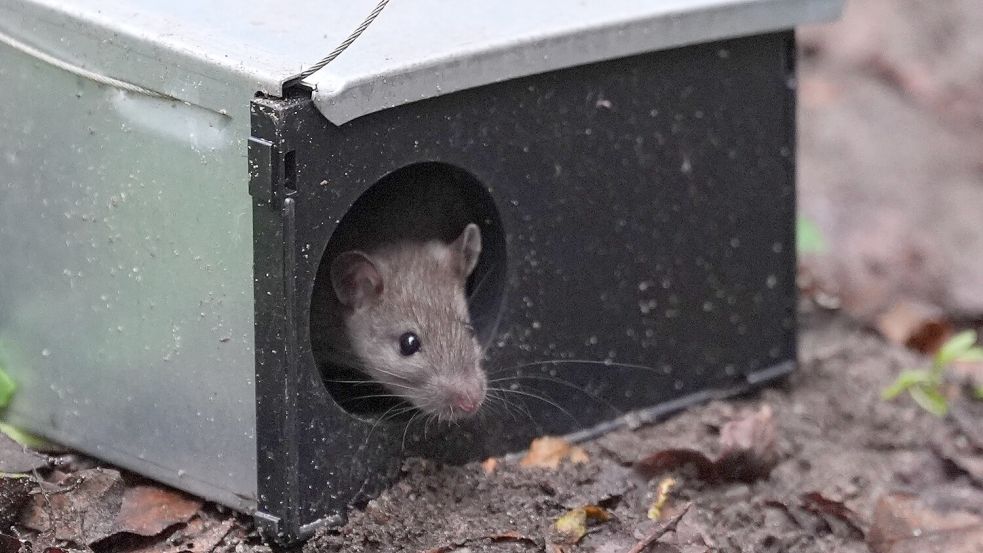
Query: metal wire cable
point(77, 70)
point(124, 85)
point(347, 42)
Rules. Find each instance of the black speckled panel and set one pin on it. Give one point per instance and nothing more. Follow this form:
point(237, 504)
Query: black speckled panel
point(647, 209)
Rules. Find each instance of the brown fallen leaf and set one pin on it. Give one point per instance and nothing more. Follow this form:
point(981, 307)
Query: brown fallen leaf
point(676, 459)
point(748, 453)
point(147, 510)
point(549, 451)
point(10, 544)
point(904, 524)
point(817, 504)
point(571, 526)
point(915, 325)
point(15, 458)
point(80, 508)
point(93, 505)
point(510, 536)
point(504, 537)
point(200, 534)
point(748, 447)
point(489, 465)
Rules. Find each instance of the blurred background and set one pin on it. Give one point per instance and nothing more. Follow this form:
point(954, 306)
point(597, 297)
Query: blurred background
point(891, 165)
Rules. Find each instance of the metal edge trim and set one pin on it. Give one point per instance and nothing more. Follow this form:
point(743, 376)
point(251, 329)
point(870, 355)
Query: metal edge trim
point(342, 100)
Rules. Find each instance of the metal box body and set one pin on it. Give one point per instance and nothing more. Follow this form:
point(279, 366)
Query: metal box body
point(647, 208)
point(126, 308)
point(155, 277)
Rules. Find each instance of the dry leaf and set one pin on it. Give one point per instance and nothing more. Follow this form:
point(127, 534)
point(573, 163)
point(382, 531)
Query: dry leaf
point(148, 510)
point(748, 445)
point(572, 525)
point(549, 451)
point(489, 465)
point(916, 325)
point(505, 537)
point(15, 458)
point(82, 511)
point(94, 505)
point(816, 503)
point(655, 510)
point(674, 459)
point(578, 456)
point(10, 544)
point(200, 534)
point(903, 524)
point(748, 453)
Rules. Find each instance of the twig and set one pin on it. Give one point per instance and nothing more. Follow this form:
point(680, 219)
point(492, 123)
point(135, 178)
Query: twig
point(643, 545)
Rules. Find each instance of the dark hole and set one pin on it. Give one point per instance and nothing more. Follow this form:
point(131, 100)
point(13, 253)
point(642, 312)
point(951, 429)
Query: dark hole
point(485, 288)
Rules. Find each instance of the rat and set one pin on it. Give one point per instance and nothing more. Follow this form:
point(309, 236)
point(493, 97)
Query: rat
point(396, 309)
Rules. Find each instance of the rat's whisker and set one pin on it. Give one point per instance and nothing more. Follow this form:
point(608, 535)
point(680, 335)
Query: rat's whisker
point(560, 362)
point(377, 396)
point(377, 423)
point(561, 382)
point(543, 399)
point(484, 278)
point(367, 382)
point(405, 430)
point(507, 405)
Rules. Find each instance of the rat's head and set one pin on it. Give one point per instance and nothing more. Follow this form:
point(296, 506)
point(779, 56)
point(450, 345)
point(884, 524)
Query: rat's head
point(407, 320)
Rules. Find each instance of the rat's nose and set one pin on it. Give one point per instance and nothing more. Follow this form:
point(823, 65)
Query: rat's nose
point(464, 403)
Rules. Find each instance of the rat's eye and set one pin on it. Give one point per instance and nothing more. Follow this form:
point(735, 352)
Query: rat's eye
point(409, 343)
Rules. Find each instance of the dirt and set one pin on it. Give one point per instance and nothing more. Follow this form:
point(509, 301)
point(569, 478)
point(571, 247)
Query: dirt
point(836, 437)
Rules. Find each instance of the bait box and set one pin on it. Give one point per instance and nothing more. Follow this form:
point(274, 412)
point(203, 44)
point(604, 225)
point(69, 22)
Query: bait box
point(631, 164)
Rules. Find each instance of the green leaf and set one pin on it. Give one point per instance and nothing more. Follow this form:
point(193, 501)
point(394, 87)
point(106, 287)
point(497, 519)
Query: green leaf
point(972, 355)
point(930, 399)
point(7, 388)
point(808, 238)
point(24, 438)
point(955, 347)
point(978, 392)
point(906, 380)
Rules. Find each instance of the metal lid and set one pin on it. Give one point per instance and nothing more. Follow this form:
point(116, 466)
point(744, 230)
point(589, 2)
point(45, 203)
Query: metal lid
point(205, 53)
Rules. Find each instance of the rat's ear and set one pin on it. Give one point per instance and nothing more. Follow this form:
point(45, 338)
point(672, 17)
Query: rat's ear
point(356, 279)
point(468, 247)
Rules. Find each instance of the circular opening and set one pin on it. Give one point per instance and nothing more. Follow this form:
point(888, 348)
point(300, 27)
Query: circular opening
point(419, 202)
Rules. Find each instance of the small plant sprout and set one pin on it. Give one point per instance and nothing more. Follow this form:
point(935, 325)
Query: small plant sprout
point(7, 388)
point(808, 237)
point(925, 385)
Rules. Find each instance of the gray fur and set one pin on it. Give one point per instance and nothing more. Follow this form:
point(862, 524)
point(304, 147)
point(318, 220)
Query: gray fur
point(423, 291)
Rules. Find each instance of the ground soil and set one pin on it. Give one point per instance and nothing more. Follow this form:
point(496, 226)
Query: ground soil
point(836, 436)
